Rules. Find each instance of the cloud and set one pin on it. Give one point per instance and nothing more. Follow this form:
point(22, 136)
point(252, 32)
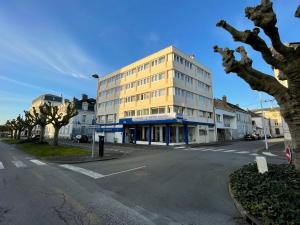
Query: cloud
point(57, 52)
point(4, 78)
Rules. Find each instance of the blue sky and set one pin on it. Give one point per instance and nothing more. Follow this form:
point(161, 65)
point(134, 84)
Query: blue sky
point(53, 46)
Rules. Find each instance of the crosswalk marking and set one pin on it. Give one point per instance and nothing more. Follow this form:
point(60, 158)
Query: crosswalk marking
point(38, 162)
point(180, 147)
point(1, 166)
point(216, 150)
point(83, 171)
point(242, 152)
point(268, 154)
point(230, 151)
point(19, 164)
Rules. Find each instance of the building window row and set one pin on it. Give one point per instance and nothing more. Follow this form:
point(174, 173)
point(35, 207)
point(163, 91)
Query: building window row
point(133, 98)
point(190, 95)
point(145, 66)
point(153, 78)
point(183, 61)
point(147, 111)
point(190, 80)
point(192, 112)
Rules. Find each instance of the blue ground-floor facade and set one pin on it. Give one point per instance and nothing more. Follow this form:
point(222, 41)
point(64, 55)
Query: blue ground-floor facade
point(157, 132)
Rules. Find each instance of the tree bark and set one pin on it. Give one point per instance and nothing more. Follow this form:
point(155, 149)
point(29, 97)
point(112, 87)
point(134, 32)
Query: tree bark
point(19, 134)
point(15, 134)
point(11, 134)
point(29, 133)
point(55, 138)
point(42, 135)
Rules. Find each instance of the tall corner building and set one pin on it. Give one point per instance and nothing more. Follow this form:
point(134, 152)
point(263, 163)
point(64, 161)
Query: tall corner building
point(164, 99)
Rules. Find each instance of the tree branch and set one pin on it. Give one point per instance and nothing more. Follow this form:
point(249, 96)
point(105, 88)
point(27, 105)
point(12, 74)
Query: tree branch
point(252, 38)
point(264, 17)
point(297, 13)
point(257, 80)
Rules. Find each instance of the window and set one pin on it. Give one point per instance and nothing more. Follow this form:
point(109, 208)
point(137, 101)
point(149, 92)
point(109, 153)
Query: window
point(83, 120)
point(157, 93)
point(161, 59)
point(154, 110)
point(202, 132)
point(161, 110)
point(218, 118)
point(145, 111)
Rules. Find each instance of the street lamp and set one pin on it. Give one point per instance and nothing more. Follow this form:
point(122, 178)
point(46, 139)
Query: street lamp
point(96, 76)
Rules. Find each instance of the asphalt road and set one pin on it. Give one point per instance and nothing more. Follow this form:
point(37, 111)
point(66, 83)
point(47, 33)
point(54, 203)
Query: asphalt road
point(149, 185)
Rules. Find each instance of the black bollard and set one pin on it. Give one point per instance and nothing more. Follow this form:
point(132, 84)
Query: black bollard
point(101, 146)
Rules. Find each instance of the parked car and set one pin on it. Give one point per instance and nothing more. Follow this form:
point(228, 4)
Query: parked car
point(269, 136)
point(250, 137)
point(35, 137)
point(81, 138)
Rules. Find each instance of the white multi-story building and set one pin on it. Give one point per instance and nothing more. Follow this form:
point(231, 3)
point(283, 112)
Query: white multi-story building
point(164, 98)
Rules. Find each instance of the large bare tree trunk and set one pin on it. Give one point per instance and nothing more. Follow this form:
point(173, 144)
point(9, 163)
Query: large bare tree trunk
point(55, 138)
point(19, 134)
point(290, 111)
point(42, 135)
point(15, 134)
point(29, 133)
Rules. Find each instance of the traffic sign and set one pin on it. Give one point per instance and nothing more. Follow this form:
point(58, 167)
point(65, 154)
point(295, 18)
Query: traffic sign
point(288, 154)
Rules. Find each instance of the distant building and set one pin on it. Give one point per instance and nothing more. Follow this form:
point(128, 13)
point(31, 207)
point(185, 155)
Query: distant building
point(260, 124)
point(42, 99)
point(232, 122)
point(78, 124)
point(164, 98)
point(275, 119)
point(225, 118)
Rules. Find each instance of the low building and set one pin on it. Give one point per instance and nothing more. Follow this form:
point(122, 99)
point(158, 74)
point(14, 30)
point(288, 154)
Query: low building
point(79, 124)
point(163, 99)
point(54, 100)
point(275, 118)
point(232, 122)
point(260, 124)
point(225, 118)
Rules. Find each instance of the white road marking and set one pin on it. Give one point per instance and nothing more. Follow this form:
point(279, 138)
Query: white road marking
point(180, 147)
point(230, 151)
point(242, 152)
point(125, 171)
point(1, 166)
point(83, 171)
point(268, 154)
point(19, 164)
point(217, 150)
point(38, 162)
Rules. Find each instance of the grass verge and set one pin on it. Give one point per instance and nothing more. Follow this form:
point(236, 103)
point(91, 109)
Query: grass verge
point(46, 150)
point(272, 197)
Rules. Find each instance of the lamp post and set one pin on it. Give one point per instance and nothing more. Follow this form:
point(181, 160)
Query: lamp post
point(263, 122)
point(96, 76)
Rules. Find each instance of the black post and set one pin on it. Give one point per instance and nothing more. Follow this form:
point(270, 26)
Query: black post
point(101, 146)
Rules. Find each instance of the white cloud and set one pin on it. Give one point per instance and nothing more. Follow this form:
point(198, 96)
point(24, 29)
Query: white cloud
point(58, 53)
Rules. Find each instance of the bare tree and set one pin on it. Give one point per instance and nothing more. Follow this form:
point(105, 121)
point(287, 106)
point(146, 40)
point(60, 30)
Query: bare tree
point(30, 122)
point(10, 127)
point(286, 59)
point(60, 116)
point(41, 120)
point(20, 126)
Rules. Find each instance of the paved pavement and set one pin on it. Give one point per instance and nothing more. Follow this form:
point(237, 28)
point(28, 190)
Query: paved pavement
point(150, 185)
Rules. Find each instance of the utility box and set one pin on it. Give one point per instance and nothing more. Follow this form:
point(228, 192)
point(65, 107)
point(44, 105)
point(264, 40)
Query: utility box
point(101, 146)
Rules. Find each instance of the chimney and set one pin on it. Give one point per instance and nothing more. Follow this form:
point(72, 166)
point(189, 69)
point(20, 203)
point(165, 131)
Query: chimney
point(84, 97)
point(224, 99)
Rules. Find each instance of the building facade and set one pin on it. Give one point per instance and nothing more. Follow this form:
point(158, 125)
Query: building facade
point(54, 100)
point(275, 119)
point(164, 99)
point(225, 119)
point(260, 124)
point(79, 124)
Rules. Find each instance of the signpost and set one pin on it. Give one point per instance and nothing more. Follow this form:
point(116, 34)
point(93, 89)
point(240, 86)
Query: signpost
point(288, 154)
point(262, 165)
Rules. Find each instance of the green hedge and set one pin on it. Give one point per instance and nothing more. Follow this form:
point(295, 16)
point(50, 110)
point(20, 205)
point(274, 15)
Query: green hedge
point(272, 197)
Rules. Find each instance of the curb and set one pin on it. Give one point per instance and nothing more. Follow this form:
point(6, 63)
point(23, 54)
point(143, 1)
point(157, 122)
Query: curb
point(247, 217)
